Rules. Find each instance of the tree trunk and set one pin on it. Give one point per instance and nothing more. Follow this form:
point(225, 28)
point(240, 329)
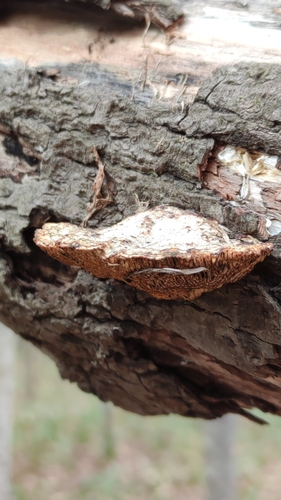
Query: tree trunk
point(220, 466)
point(7, 381)
point(219, 353)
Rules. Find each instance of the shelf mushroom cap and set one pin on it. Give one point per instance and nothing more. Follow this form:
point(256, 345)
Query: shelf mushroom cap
point(168, 252)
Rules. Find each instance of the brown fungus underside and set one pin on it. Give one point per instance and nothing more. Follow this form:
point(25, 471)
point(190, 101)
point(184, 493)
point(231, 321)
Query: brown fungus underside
point(167, 252)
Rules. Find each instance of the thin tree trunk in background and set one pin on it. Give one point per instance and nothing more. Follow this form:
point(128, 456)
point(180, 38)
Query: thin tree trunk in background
point(220, 463)
point(108, 437)
point(30, 360)
point(7, 383)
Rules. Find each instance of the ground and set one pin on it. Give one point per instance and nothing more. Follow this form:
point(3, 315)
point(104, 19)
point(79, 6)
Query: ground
point(60, 449)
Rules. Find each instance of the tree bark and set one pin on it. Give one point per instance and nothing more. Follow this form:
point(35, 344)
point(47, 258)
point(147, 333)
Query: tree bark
point(218, 354)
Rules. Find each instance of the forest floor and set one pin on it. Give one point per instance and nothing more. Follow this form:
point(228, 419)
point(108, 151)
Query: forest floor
point(65, 450)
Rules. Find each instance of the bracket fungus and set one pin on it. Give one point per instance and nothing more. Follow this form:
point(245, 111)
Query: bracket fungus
point(168, 252)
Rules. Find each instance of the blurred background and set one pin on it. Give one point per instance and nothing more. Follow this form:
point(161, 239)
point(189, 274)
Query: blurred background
point(68, 445)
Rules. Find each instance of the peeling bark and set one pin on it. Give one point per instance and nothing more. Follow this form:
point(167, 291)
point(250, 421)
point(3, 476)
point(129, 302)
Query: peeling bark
point(218, 354)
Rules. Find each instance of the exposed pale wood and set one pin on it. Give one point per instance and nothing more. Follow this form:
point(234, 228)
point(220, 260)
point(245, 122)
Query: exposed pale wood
point(213, 34)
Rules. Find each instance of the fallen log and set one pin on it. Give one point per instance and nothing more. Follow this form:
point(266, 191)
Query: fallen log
point(217, 354)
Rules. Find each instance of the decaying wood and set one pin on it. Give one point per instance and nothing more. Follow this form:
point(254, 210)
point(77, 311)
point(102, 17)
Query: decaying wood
point(212, 34)
point(166, 14)
point(131, 97)
point(217, 354)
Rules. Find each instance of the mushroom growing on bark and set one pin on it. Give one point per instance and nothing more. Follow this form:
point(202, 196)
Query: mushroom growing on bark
point(168, 252)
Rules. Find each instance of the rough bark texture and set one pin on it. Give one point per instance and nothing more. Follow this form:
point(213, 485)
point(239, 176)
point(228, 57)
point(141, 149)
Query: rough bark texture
point(218, 354)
